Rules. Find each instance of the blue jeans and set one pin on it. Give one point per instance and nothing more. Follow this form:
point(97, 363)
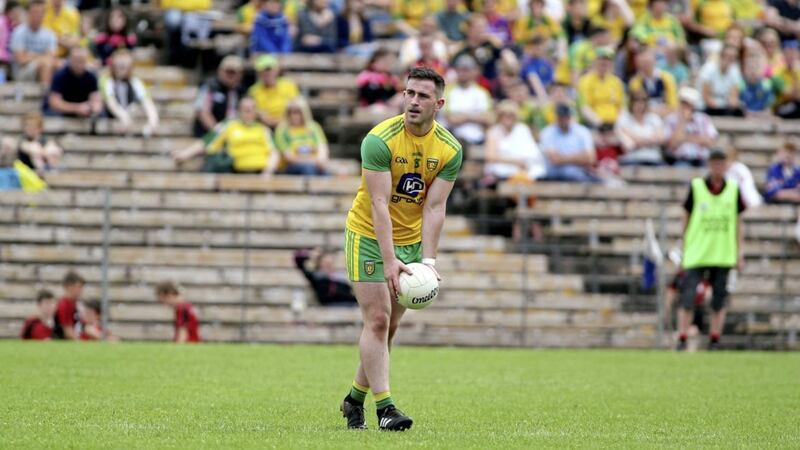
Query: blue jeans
point(569, 173)
point(304, 169)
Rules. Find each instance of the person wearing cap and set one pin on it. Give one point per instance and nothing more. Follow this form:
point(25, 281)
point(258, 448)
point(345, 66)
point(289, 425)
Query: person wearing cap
point(568, 148)
point(219, 98)
point(468, 106)
point(271, 30)
point(783, 177)
point(713, 232)
point(787, 82)
point(658, 85)
point(718, 82)
point(690, 133)
point(271, 91)
point(601, 95)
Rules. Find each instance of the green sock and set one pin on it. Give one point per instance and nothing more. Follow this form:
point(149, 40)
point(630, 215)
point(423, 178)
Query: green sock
point(358, 392)
point(383, 399)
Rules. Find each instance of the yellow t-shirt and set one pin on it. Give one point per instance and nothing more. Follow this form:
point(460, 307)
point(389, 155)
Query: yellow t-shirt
point(272, 100)
point(639, 7)
point(250, 145)
point(186, 5)
point(526, 27)
point(414, 162)
point(606, 97)
point(616, 27)
point(65, 22)
point(303, 140)
point(665, 88)
point(246, 15)
point(413, 11)
point(504, 7)
point(715, 14)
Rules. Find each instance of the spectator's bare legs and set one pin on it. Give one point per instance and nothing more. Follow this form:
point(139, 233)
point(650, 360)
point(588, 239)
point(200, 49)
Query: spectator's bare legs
point(46, 66)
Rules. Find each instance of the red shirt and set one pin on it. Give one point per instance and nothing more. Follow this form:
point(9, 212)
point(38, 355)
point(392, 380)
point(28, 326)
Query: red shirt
point(35, 329)
point(186, 317)
point(66, 316)
point(88, 337)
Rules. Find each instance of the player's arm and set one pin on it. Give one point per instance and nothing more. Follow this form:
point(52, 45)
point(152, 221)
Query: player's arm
point(379, 185)
point(433, 214)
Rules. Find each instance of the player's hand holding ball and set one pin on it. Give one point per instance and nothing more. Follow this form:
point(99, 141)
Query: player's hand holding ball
point(419, 288)
point(391, 272)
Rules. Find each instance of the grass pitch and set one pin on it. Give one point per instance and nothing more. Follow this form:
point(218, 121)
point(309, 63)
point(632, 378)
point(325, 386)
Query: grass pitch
point(64, 395)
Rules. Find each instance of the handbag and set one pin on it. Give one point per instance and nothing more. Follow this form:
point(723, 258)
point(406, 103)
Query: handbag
point(219, 162)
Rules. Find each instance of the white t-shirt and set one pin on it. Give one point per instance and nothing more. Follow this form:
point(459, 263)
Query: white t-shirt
point(741, 174)
point(518, 144)
point(467, 100)
point(721, 83)
point(649, 126)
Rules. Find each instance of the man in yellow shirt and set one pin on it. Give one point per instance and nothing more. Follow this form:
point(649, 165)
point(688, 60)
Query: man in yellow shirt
point(601, 95)
point(409, 165)
point(65, 21)
point(271, 92)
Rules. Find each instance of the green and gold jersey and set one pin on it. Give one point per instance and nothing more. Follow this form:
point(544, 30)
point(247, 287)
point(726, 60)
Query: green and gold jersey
point(414, 162)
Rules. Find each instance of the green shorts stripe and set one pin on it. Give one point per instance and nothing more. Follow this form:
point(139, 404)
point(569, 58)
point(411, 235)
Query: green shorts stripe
point(363, 257)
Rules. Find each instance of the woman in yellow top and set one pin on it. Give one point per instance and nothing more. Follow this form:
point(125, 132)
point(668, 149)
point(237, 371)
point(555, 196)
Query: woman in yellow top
point(247, 141)
point(301, 141)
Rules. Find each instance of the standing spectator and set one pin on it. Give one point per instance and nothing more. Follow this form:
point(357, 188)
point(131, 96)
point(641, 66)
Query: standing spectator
point(601, 94)
point(73, 91)
point(783, 177)
point(741, 174)
point(568, 148)
point(40, 326)
point(67, 323)
point(125, 95)
point(576, 23)
point(218, 99)
point(330, 287)
point(115, 36)
point(787, 83)
point(641, 133)
point(247, 141)
point(690, 133)
point(756, 92)
point(378, 88)
point(510, 148)
point(271, 32)
point(712, 245)
point(316, 29)
point(271, 91)
point(34, 48)
point(186, 322)
point(537, 69)
point(34, 150)
point(65, 21)
point(353, 27)
point(719, 82)
point(301, 141)
point(468, 106)
point(657, 84)
point(658, 28)
point(452, 20)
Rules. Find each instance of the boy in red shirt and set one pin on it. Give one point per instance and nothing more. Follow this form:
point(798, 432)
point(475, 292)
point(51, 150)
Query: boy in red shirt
point(67, 319)
point(91, 317)
point(39, 327)
point(186, 323)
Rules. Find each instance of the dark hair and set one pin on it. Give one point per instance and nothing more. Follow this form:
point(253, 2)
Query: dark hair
point(717, 155)
point(426, 73)
point(73, 277)
point(11, 4)
point(166, 288)
point(376, 55)
point(94, 305)
point(44, 294)
point(35, 3)
point(108, 21)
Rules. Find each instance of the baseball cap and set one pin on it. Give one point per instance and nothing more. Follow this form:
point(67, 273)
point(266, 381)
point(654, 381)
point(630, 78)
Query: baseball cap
point(266, 62)
point(232, 62)
point(690, 96)
point(563, 110)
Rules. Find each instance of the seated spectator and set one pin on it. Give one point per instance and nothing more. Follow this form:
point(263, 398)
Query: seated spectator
point(569, 149)
point(601, 95)
point(719, 81)
point(499, 26)
point(480, 45)
point(641, 133)
point(615, 15)
point(378, 88)
point(11, 17)
point(674, 64)
point(537, 69)
point(741, 174)
point(690, 133)
point(428, 57)
point(608, 149)
point(520, 95)
point(34, 150)
point(354, 28)
point(247, 141)
point(246, 16)
point(9, 178)
point(115, 36)
point(544, 112)
point(34, 47)
point(330, 287)
point(408, 15)
point(468, 106)
point(783, 177)
point(787, 83)
point(411, 51)
point(66, 319)
point(771, 43)
point(658, 28)
point(625, 58)
point(788, 21)
point(576, 24)
point(185, 21)
point(511, 150)
point(92, 318)
point(271, 33)
point(538, 23)
point(218, 99)
point(452, 21)
point(187, 326)
point(271, 91)
point(125, 96)
point(710, 18)
point(316, 29)
point(73, 91)
point(582, 55)
point(40, 326)
point(657, 84)
point(65, 21)
point(301, 141)
point(756, 92)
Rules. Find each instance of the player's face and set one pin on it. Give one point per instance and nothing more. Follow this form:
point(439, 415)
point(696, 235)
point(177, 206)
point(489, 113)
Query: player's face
point(420, 101)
